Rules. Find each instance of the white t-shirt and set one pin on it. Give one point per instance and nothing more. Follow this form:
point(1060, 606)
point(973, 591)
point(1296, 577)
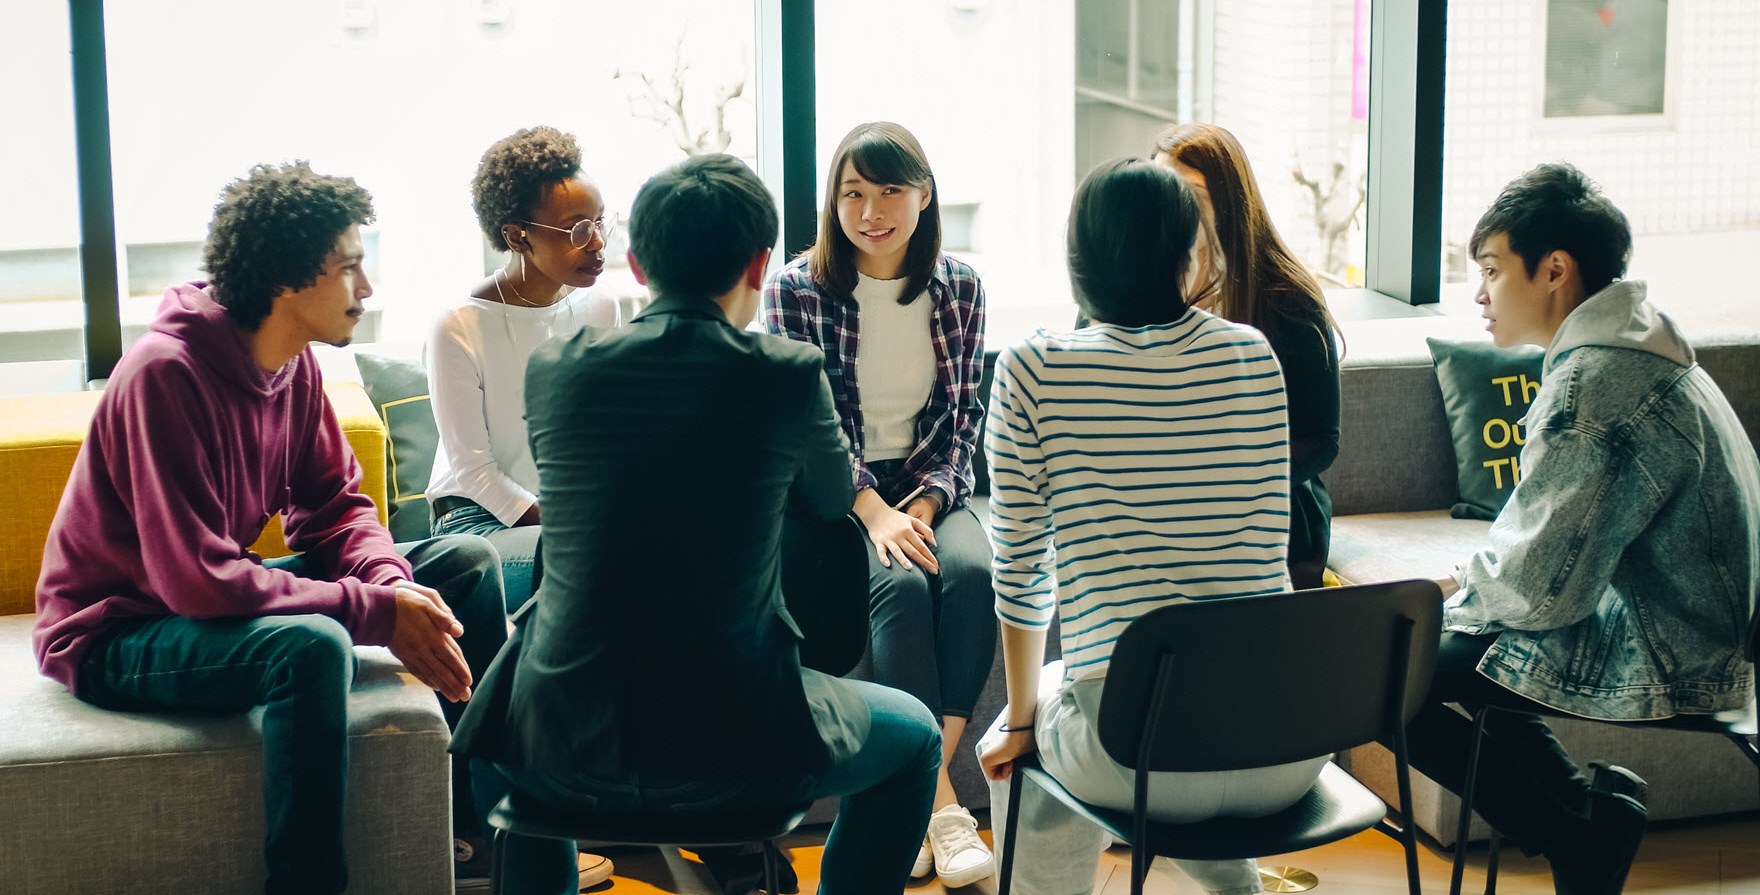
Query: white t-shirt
point(895, 366)
point(476, 359)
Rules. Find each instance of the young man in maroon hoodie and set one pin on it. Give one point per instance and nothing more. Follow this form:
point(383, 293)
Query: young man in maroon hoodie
point(150, 599)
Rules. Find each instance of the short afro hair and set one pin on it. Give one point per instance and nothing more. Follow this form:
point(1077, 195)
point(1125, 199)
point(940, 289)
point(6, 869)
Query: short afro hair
point(512, 176)
point(1555, 207)
point(272, 230)
point(696, 225)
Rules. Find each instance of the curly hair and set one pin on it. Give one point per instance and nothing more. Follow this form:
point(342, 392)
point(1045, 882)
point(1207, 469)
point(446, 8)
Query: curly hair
point(511, 178)
point(273, 230)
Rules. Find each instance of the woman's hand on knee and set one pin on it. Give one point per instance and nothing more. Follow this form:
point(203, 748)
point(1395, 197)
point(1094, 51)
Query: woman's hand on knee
point(908, 539)
point(898, 535)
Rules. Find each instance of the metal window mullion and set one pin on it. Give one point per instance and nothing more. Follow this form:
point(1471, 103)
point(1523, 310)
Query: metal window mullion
point(1403, 228)
point(99, 285)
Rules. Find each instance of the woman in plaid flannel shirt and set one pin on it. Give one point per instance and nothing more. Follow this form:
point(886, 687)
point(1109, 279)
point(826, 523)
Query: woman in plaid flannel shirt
point(893, 313)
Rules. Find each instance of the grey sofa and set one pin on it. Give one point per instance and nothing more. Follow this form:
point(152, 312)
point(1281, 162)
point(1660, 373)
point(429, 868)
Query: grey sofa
point(1392, 486)
point(112, 802)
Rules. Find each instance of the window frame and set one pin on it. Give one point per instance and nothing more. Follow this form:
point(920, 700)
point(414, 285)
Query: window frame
point(1403, 215)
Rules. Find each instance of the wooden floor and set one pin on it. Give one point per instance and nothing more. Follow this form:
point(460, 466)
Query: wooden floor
point(1684, 858)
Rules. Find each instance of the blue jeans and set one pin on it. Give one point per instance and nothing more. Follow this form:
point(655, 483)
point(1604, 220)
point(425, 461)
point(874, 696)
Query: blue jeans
point(518, 546)
point(887, 786)
point(300, 669)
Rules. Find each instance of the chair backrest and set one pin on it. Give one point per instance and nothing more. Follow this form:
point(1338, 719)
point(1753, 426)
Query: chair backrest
point(1248, 682)
point(825, 585)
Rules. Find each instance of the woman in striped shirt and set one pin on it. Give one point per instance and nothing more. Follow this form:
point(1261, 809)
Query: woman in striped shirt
point(1134, 462)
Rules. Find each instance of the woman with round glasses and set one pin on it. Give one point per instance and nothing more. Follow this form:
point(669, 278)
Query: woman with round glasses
point(533, 202)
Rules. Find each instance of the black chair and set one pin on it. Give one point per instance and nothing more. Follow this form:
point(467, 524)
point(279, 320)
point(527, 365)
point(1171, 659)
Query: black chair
point(1741, 727)
point(1247, 682)
point(825, 586)
point(521, 815)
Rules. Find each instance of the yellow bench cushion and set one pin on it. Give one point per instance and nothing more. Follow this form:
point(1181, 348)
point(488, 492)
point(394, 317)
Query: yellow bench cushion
point(41, 435)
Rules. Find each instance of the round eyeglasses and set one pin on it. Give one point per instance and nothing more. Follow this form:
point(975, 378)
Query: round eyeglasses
point(581, 234)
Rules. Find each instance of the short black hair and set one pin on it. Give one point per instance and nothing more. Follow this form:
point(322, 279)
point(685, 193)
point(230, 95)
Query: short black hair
point(696, 225)
point(1556, 207)
point(1131, 228)
point(272, 230)
point(513, 173)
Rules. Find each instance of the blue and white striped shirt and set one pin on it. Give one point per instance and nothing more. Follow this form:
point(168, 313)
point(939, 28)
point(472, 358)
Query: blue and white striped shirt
point(1132, 467)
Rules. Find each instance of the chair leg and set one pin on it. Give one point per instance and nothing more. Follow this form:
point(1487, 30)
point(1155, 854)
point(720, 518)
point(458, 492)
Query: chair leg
point(1466, 818)
point(1750, 747)
point(770, 887)
point(498, 849)
point(1491, 863)
point(1016, 781)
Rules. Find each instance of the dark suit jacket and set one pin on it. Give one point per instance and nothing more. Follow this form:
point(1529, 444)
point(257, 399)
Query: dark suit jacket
point(659, 645)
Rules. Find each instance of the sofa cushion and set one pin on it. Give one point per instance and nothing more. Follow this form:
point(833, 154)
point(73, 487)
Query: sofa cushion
point(41, 435)
point(398, 388)
point(176, 801)
point(1382, 467)
point(1485, 393)
point(1372, 547)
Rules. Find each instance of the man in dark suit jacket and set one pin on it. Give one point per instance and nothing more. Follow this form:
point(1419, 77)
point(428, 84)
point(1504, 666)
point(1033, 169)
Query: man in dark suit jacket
point(658, 667)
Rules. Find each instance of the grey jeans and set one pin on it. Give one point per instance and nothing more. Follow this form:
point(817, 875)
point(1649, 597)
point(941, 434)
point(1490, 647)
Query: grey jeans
point(1059, 850)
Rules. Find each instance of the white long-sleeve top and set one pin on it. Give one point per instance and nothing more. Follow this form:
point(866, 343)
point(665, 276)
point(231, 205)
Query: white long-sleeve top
point(1133, 467)
point(476, 359)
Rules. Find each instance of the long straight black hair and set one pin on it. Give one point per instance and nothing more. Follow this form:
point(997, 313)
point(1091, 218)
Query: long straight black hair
point(883, 153)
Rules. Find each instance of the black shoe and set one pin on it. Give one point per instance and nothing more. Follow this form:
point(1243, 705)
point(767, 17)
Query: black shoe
point(1612, 778)
point(738, 871)
point(1600, 864)
point(470, 864)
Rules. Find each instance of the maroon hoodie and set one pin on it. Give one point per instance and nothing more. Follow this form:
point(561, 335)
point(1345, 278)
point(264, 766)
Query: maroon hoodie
point(192, 448)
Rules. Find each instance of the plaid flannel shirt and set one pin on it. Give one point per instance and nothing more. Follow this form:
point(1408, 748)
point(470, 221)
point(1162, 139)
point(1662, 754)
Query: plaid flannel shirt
point(947, 428)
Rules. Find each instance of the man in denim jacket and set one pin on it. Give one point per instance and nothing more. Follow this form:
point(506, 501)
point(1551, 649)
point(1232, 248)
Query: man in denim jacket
point(1621, 575)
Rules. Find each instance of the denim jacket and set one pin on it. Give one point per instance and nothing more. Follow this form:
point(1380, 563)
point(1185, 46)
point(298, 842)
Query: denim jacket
point(1624, 568)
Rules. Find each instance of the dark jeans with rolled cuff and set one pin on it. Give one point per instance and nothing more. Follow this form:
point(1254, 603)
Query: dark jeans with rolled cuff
point(300, 669)
point(1528, 787)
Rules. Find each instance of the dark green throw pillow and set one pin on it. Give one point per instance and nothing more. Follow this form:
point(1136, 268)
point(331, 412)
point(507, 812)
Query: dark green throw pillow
point(1485, 392)
point(399, 389)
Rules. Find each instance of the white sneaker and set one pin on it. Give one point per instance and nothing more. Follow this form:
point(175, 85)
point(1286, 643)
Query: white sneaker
point(961, 857)
point(594, 869)
point(925, 860)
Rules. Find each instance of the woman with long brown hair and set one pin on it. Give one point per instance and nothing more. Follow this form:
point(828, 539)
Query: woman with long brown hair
point(1244, 272)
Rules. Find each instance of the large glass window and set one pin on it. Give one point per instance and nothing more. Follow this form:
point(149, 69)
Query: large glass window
point(986, 87)
point(1654, 100)
point(402, 95)
point(1014, 102)
point(41, 319)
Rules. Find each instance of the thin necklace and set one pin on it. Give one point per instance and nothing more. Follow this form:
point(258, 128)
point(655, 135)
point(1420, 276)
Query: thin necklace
point(549, 322)
point(500, 275)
